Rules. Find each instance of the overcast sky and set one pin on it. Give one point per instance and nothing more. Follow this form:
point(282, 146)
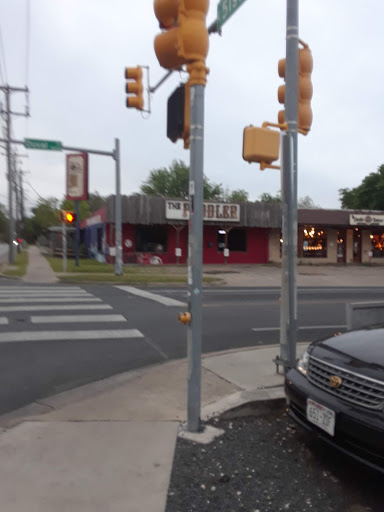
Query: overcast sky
point(77, 54)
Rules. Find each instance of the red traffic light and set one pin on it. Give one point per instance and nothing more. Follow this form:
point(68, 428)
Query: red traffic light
point(69, 217)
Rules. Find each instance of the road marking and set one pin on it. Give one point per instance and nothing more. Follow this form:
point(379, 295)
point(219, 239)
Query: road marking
point(60, 319)
point(55, 307)
point(7, 337)
point(22, 293)
point(42, 288)
point(166, 301)
point(301, 328)
point(49, 299)
point(3, 320)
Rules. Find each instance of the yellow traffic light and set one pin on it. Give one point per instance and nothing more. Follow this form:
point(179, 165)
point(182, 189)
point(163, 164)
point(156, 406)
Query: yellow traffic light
point(305, 90)
point(69, 217)
point(134, 87)
point(261, 145)
point(185, 38)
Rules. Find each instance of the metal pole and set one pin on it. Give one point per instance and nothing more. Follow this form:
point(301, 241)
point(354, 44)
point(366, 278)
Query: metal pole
point(11, 254)
point(64, 244)
point(195, 256)
point(288, 328)
point(118, 237)
point(77, 233)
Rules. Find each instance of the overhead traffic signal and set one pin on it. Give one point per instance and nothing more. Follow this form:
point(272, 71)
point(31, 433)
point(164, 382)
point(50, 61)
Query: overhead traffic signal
point(261, 145)
point(134, 87)
point(185, 37)
point(179, 114)
point(305, 91)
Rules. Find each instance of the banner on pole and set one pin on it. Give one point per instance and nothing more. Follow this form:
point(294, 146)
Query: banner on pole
point(77, 177)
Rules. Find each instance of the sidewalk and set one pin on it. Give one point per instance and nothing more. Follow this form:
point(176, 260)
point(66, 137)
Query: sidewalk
point(109, 445)
point(38, 270)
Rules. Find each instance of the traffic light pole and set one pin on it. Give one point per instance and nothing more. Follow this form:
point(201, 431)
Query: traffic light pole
point(195, 248)
point(118, 235)
point(77, 233)
point(288, 312)
point(64, 246)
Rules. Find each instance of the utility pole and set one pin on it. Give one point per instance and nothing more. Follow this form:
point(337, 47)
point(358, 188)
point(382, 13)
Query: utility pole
point(10, 175)
point(288, 313)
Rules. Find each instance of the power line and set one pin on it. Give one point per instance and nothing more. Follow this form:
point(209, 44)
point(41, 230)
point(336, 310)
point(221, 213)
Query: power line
point(40, 197)
point(3, 55)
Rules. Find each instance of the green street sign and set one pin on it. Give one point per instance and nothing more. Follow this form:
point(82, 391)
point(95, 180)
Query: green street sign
point(225, 9)
point(50, 145)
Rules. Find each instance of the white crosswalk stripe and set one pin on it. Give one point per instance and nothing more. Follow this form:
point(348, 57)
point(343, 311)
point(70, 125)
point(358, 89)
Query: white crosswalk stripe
point(30, 300)
point(56, 319)
point(72, 301)
point(7, 337)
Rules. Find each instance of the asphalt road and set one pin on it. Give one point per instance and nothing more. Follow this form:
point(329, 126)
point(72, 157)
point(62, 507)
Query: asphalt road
point(53, 338)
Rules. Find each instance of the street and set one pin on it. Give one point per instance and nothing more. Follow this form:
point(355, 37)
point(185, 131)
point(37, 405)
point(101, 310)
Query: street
point(54, 338)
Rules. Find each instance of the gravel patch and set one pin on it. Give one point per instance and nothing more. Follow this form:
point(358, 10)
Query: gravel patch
point(267, 463)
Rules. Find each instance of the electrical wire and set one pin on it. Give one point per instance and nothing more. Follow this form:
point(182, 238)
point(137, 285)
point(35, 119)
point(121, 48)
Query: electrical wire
point(3, 55)
point(40, 197)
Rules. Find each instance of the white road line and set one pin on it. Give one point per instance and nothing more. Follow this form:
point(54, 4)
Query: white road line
point(304, 327)
point(49, 299)
point(55, 307)
point(166, 301)
point(7, 337)
point(22, 293)
point(41, 288)
point(61, 319)
point(3, 320)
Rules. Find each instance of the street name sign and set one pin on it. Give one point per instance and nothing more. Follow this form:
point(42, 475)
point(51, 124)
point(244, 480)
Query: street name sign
point(225, 9)
point(50, 145)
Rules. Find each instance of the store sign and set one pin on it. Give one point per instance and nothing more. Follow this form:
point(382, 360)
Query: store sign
point(77, 177)
point(216, 212)
point(366, 220)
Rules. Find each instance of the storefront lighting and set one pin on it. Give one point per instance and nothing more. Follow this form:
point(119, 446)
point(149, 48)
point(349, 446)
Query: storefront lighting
point(222, 232)
point(281, 240)
point(371, 236)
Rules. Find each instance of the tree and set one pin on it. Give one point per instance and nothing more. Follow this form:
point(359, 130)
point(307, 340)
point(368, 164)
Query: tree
point(84, 209)
point(174, 182)
point(307, 203)
point(369, 195)
point(96, 201)
point(265, 197)
point(237, 196)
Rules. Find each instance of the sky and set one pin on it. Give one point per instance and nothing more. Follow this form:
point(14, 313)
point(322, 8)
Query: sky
point(73, 63)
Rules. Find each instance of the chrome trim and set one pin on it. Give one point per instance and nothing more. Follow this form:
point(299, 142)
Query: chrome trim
point(355, 388)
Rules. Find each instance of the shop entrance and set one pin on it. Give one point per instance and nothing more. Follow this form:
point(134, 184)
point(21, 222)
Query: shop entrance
point(341, 245)
point(357, 245)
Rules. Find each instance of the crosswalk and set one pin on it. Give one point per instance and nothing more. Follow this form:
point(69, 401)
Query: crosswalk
point(60, 307)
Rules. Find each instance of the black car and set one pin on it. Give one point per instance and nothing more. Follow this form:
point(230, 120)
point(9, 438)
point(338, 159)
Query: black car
point(337, 391)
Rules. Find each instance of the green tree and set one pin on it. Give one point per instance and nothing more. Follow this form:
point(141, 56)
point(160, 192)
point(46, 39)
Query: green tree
point(307, 203)
point(96, 201)
point(369, 195)
point(3, 224)
point(84, 208)
point(265, 197)
point(174, 182)
point(237, 196)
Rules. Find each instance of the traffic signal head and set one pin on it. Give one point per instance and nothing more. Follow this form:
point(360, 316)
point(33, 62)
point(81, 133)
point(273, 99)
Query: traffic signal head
point(304, 93)
point(134, 87)
point(185, 38)
point(67, 217)
point(179, 114)
point(260, 145)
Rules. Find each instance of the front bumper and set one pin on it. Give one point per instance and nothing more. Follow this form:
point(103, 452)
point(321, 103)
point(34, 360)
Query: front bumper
point(358, 432)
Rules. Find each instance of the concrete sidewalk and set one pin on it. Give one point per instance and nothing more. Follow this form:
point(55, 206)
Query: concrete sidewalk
point(109, 445)
point(38, 270)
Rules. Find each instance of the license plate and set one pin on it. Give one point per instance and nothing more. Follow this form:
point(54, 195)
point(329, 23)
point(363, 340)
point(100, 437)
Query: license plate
point(321, 416)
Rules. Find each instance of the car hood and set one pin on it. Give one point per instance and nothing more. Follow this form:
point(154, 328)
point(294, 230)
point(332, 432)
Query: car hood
point(361, 351)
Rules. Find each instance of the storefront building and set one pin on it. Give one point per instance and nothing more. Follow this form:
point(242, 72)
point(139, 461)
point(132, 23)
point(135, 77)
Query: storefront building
point(155, 231)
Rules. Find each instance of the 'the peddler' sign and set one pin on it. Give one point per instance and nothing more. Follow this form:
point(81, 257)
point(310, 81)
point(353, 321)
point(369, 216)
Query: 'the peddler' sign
point(215, 212)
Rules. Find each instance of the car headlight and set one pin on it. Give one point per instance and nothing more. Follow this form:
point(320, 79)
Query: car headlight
point(302, 363)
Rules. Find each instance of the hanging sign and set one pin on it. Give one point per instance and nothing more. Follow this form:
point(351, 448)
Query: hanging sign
point(77, 177)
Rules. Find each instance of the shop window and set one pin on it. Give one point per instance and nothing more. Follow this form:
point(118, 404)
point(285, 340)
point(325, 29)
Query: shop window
point(237, 240)
point(377, 241)
point(151, 238)
point(314, 242)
